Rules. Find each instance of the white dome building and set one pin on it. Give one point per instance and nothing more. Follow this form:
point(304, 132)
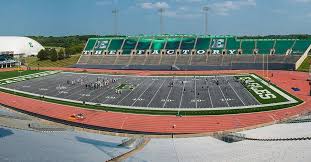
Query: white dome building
point(14, 45)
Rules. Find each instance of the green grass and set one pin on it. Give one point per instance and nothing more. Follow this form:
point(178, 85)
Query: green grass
point(305, 65)
point(296, 98)
point(278, 98)
point(56, 48)
point(11, 74)
point(33, 62)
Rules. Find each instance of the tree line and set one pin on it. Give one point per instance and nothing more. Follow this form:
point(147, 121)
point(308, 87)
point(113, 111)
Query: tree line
point(52, 54)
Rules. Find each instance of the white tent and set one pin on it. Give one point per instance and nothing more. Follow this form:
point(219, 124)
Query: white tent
point(19, 46)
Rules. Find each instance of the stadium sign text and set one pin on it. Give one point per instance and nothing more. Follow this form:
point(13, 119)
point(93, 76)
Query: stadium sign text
point(257, 88)
point(182, 52)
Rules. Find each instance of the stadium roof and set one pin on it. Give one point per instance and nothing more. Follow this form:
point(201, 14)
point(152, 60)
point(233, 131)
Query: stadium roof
point(19, 45)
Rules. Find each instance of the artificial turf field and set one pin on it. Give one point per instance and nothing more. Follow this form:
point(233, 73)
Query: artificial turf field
point(215, 92)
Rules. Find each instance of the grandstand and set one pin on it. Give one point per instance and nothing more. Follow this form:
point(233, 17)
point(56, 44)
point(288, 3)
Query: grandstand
point(7, 61)
point(191, 52)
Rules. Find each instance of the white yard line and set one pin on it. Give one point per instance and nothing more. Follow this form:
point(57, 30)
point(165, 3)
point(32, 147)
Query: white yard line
point(131, 91)
point(182, 93)
point(195, 92)
point(168, 95)
point(235, 92)
point(116, 96)
point(143, 92)
point(156, 93)
point(223, 96)
point(210, 98)
point(108, 89)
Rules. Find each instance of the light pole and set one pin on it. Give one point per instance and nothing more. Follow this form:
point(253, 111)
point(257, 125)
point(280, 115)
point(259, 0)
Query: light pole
point(115, 15)
point(161, 11)
point(205, 10)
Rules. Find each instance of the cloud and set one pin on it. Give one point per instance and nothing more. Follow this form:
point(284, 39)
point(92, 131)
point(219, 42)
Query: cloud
point(223, 8)
point(157, 5)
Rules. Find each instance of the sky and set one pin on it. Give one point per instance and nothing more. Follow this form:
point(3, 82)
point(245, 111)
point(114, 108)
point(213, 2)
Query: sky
point(225, 17)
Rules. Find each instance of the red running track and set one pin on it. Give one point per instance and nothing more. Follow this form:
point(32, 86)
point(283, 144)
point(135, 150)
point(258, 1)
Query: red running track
point(164, 124)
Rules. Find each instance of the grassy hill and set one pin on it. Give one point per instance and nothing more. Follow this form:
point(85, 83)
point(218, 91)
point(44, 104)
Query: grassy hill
point(33, 62)
point(305, 65)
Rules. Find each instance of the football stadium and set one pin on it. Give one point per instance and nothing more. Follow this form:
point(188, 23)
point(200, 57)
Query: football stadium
point(155, 97)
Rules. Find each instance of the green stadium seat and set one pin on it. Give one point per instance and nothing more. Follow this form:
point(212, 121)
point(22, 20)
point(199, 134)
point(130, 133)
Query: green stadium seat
point(300, 46)
point(90, 44)
point(232, 44)
point(172, 43)
point(248, 46)
point(115, 44)
point(203, 43)
point(264, 46)
point(158, 44)
point(129, 45)
point(144, 44)
point(187, 43)
point(281, 46)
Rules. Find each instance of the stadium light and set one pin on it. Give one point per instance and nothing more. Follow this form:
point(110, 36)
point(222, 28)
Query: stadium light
point(161, 11)
point(205, 10)
point(115, 15)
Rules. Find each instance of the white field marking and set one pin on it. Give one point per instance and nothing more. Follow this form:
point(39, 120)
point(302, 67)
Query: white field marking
point(210, 98)
point(44, 73)
point(119, 96)
point(52, 85)
point(123, 122)
point(37, 82)
point(105, 88)
point(84, 95)
point(82, 89)
point(76, 92)
point(131, 91)
point(108, 88)
point(182, 94)
point(138, 99)
point(195, 92)
point(235, 91)
point(249, 93)
point(274, 88)
point(156, 93)
point(143, 92)
point(110, 97)
point(112, 90)
point(163, 76)
point(75, 87)
point(152, 108)
point(223, 96)
point(168, 95)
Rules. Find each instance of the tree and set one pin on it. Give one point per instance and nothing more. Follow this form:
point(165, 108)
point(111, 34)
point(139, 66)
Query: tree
point(61, 54)
point(70, 51)
point(53, 54)
point(42, 55)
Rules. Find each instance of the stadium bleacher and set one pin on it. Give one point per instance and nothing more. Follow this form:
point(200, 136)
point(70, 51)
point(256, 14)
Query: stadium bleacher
point(206, 52)
point(7, 61)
